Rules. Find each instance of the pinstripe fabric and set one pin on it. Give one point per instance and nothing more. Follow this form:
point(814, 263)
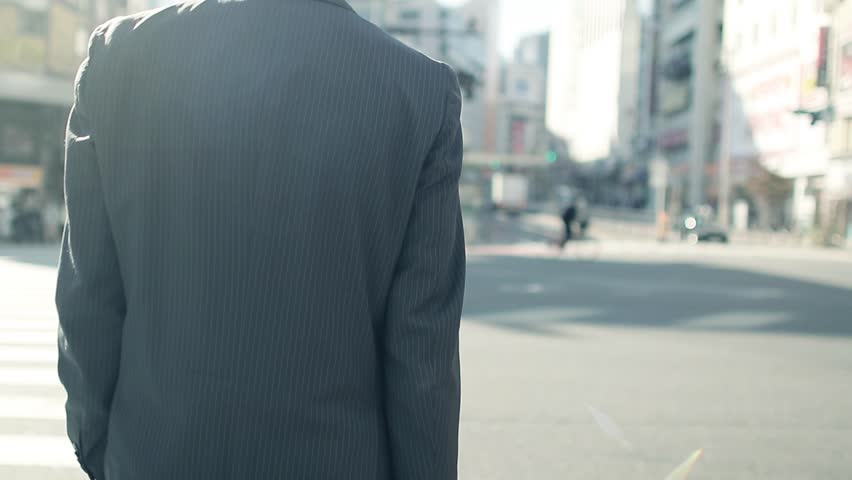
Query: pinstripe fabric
point(263, 268)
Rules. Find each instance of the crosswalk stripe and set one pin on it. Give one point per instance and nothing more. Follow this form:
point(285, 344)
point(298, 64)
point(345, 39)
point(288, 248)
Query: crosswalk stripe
point(32, 408)
point(33, 443)
point(36, 450)
point(28, 354)
point(27, 338)
point(28, 376)
point(36, 327)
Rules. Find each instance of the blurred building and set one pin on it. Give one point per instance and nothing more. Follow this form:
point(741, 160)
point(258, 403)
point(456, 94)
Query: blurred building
point(772, 56)
point(636, 101)
point(424, 18)
point(602, 88)
point(686, 116)
point(562, 94)
point(133, 6)
point(630, 83)
point(465, 37)
point(839, 175)
point(584, 78)
point(41, 45)
point(521, 110)
point(372, 10)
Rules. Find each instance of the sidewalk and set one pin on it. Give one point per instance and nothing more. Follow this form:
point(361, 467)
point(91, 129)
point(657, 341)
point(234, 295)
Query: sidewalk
point(608, 237)
point(639, 229)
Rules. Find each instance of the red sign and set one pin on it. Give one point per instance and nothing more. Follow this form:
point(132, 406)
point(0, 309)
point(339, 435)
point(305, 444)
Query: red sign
point(822, 59)
point(21, 176)
point(846, 66)
point(519, 131)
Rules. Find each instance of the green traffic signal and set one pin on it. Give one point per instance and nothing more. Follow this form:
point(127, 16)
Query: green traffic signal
point(552, 157)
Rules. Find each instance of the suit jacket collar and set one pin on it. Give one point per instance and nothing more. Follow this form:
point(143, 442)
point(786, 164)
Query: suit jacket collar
point(339, 3)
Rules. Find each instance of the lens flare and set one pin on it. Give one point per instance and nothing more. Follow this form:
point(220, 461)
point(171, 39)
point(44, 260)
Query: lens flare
point(683, 471)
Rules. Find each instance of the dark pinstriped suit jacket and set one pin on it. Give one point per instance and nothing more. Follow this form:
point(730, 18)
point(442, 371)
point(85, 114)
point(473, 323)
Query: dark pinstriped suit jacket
point(262, 274)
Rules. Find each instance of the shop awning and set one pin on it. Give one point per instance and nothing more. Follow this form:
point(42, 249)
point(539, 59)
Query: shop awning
point(36, 88)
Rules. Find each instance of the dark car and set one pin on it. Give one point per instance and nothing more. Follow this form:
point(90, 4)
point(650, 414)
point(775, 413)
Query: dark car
point(699, 228)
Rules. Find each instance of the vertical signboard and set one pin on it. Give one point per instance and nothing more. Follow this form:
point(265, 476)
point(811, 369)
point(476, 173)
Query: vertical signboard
point(822, 58)
point(845, 66)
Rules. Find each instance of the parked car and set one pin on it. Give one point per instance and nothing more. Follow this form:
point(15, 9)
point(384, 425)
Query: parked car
point(697, 227)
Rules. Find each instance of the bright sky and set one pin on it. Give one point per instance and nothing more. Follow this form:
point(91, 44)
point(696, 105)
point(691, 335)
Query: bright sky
point(520, 17)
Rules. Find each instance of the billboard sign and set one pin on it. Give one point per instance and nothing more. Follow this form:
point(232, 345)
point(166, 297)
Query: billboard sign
point(20, 176)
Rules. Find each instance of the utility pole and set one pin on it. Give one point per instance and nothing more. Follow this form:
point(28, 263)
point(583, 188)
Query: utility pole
point(725, 146)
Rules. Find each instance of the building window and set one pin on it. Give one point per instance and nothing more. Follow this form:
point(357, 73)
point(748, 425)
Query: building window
point(409, 15)
point(32, 23)
point(17, 144)
point(522, 87)
point(676, 4)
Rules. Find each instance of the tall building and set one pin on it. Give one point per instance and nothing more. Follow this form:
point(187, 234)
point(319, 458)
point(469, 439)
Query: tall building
point(465, 37)
point(686, 117)
point(585, 75)
point(630, 82)
point(562, 72)
point(41, 46)
point(133, 6)
point(634, 148)
point(521, 111)
point(534, 50)
point(637, 86)
point(838, 197)
point(772, 55)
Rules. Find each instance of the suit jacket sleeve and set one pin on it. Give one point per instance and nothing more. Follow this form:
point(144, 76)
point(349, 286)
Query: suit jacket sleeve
point(89, 294)
point(421, 338)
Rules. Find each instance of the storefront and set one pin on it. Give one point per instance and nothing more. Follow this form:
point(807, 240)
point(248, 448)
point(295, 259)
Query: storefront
point(41, 46)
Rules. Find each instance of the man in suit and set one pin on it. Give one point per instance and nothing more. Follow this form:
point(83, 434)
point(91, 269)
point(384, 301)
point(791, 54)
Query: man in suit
point(263, 267)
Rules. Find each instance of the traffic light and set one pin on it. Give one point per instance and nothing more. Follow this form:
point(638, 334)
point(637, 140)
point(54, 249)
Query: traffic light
point(552, 157)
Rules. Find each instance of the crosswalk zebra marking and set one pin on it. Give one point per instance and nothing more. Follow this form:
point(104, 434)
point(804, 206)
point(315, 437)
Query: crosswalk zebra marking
point(19, 354)
point(31, 407)
point(27, 337)
point(36, 451)
point(28, 376)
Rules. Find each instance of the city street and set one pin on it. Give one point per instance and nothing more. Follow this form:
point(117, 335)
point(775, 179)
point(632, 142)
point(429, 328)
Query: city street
point(611, 361)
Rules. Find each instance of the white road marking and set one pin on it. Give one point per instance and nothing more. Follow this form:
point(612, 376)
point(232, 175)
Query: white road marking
point(32, 408)
point(36, 451)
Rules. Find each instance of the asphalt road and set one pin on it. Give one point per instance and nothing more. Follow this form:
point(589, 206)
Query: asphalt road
point(613, 361)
